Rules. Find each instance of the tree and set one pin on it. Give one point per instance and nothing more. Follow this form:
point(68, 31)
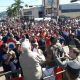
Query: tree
point(17, 6)
point(9, 11)
point(26, 5)
point(14, 9)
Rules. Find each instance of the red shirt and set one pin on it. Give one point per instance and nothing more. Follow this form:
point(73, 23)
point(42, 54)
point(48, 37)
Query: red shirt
point(59, 76)
point(11, 40)
point(1, 43)
point(48, 42)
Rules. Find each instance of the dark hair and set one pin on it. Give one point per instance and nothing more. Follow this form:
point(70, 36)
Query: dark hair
point(53, 40)
point(75, 50)
point(4, 46)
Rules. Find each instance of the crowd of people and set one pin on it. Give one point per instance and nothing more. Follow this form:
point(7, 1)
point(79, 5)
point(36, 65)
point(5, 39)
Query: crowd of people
point(35, 46)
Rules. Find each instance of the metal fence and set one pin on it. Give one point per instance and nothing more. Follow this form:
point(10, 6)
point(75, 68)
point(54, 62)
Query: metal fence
point(19, 71)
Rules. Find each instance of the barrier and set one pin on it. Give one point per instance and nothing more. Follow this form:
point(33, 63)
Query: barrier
point(53, 75)
point(18, 78)
point(21, 78)
point(10, 72)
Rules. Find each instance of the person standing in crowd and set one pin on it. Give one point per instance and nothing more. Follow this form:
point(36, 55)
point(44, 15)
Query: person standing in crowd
point(71, 64)
point(39, 51)
point(5, 60)
point(1, 43)
point(17, 53)
point(11, 40)
point(42, 43)
point(30, 62)
point(74, 40)
point(77, 32)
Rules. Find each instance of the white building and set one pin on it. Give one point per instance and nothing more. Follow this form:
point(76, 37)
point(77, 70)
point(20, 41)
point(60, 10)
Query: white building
point(32, 12)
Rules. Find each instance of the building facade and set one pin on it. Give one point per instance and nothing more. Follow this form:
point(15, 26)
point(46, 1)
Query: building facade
point(51, 7)
point(32, 12)
point(46, 10)
point(70, 10)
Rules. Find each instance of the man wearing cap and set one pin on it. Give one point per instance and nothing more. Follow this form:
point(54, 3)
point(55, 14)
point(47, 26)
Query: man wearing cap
point(30, 62)
point(1, 41)
point(17, 53)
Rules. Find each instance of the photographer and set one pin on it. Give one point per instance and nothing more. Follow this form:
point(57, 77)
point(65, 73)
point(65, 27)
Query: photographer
point(9, 61)
point(71, 64)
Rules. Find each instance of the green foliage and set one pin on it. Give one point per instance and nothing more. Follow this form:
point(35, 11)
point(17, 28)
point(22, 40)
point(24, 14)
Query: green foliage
point(14, 9)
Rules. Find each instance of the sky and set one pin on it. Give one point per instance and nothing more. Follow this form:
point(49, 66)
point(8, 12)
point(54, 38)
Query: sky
point(5, 3)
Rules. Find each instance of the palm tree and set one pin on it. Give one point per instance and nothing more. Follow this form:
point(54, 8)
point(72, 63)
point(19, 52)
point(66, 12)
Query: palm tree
point(17, 6)
point(14, 9)
point(26, 5)
point(9, 11)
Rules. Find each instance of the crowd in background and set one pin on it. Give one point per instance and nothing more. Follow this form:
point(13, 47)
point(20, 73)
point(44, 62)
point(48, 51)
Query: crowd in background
point(41, 35)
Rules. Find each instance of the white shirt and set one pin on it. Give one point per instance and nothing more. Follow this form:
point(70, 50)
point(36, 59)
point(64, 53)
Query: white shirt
point(39, 54)
point(30, 64)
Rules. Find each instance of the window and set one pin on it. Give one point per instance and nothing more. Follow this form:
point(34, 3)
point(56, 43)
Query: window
point(50, 2)
point(28, 13)
point(41, 14)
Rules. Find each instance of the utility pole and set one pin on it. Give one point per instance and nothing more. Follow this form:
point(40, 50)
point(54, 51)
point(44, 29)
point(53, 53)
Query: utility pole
point(51, 9)
point(44, 9)
point(57, 10)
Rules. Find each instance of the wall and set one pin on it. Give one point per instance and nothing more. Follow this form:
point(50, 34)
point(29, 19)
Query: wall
point(34, 11)
point(48, 3)
point(70, 14)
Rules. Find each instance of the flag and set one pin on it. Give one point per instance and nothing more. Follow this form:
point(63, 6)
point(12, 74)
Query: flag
point(59, 76)
point(11, 43)
point(18, 78)
point(74, 0)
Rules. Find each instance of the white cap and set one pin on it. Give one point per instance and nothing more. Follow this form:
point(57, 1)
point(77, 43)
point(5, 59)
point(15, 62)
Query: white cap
point(17, 42)
point(58, 44)
point(1, 37)
point(26, 45)
point(35, 43)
